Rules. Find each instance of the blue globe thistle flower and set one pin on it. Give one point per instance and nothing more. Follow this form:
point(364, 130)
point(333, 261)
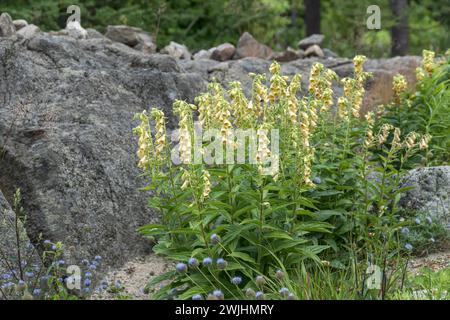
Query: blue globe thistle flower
point(7, 276)
point(236, 280)
point(29, 274)
point(93, 267)
point(54, 247)
point(88, 274)
point(181, 267)
point(61, 262)
point(284, 292)
point(418, 221)
point(260, 280)
point(259, 295)
point(317, 180)
point(97, 258)
point(197, 297)
point(87, 290)
point(173, 291)
point(404, 230)
point(221, 264)
point(36, 292)
point(408, 246)
point(104, 284)
point(291, 296)
point(47, 242)
point(85, 262)
point(214, 238)
point(7, 285)
point(118, 284)
point(193, 263)
point(429, 220)
point(207, 261)
point(279, 274)
point(87, 282)
point(218, 294)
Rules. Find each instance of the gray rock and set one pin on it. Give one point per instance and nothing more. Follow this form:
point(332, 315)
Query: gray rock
point(248, 46)
point(20, 23)
point(329, 54)
point(177, 51)
point(431, 192)
point(28, 31)
point(75, 30)
point(315, 39)
point(203, 54)
point(6, 25)
point(223, 52)
point(145, 44)
point(123, 34)
point(286, 56)
point(94, 34)
point(66, 129)
point(314, 51)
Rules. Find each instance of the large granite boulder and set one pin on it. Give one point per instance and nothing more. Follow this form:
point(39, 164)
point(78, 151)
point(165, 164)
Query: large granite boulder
point(66, 136)
point(430, 193)
point(248, 46)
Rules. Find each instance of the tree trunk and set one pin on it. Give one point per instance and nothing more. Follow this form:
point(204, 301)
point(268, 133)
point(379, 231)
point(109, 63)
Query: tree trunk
point(400, 31)
point(312, 16)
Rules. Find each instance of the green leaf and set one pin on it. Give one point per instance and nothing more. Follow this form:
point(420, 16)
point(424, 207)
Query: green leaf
point(243, 256)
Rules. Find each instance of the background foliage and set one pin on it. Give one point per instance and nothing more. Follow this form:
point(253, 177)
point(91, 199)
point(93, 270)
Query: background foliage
point(203, 24)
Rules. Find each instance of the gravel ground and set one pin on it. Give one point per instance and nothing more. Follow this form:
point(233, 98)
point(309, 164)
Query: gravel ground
point(137, 273)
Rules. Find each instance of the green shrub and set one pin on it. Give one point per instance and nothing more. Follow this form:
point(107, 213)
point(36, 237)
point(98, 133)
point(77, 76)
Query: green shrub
point(329, 211)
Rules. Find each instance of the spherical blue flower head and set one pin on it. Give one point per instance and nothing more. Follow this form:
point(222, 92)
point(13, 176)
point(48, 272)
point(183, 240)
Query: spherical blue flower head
point(21, 282)
point(7, 285)
point(250, 293)
point(87, 282)
point(29, 274)
point(173, 291)
point(88, 275)
point(7, 276)
point(404, 230)
point(260, 280)
point(284, 292)
point(118, 284)
point(418, 221)
point(45, 278)
point(54, 247)
point(93, 267)
point(207, 261)
point(429, 220)
point(104, 284)
point(408, 246)
point(279, 274)
point(181, 267)
point(236, 280)
point(85, 262)
point(197, 297)
point(215, 238)
point(47, 242)
point(36, 292)
point(218, 294)
point(221, 264)
point(259, 295)
point(291, 296)
point(97, 258)
point(193, 263)
point(61, 262)
point(87, 290)
point(317, 180)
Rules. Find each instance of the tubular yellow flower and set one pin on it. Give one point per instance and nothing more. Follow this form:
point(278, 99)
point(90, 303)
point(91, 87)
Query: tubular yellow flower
point(428, 61)
point(384, 133)
point(260, 94)
point(423, 143)
point(145, 142)
point(399, 86)
point(369, 133)
point(206, 183)
point(185, 176)
point(410, 140)
point(358, 62)
point(160, 133)
point(185, 124)
point(395, 145)
point(342, 108)
point(291, 95)
point(420, 74)
point(239, 104)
